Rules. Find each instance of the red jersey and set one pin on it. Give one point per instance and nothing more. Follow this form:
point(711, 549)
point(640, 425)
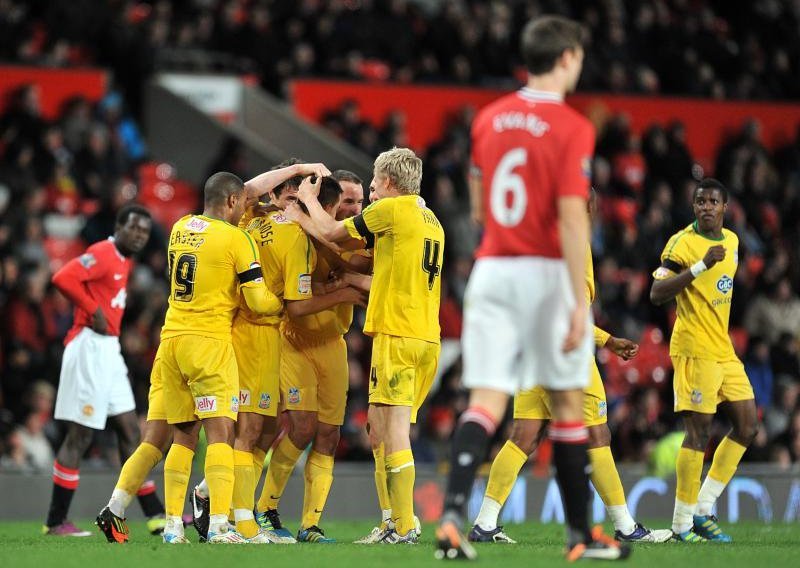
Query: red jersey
point(530, 149)
point(96, 278)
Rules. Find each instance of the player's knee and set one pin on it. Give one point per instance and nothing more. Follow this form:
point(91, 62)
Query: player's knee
point(745, 433)
point(326, 439)
point(78, 438)
point(526, 435)
point(158, 434)
point(303, 429)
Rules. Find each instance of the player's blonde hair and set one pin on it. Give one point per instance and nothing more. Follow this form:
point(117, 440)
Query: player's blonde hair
point(402, 167)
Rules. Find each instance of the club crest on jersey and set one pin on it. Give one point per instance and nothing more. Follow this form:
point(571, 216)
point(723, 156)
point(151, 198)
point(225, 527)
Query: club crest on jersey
point(87, 260)
point(304, 284)
point(205, 403)
point(697, 397)
point(725, 284)
point(602, 408)
point(244, 397)
point(294, 395)
point(197, 225)
point(234, 403)
point(265, 401)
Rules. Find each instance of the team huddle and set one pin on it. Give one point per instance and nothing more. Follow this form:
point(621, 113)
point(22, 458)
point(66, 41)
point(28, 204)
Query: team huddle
point(262, 289)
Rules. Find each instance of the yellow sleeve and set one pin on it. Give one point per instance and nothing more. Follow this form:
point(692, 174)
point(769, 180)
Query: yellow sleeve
point(245, 260)
point(674, 257)
point(298, 266)
point(374, 220)
point(600, 336)
point(246, 218)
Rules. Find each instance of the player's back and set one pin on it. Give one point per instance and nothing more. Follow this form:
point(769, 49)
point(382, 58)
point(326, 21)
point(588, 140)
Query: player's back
point(530, 149)
point(204, 284)
point(405, 292)
point(287, 260)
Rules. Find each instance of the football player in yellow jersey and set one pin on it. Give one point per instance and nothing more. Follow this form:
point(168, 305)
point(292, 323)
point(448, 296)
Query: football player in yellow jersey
point(531, 413)
point(157, 433)
point(698, 266)
point(402, 315)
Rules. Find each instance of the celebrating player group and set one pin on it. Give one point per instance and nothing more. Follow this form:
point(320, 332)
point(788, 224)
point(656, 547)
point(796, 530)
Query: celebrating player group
point(262, 289)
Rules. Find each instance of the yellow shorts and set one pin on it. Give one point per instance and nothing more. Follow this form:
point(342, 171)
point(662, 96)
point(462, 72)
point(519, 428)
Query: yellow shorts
point(200, 378)
point(257, 349)
point(403, 369)
point(315, 376)
point(155, 398)
point(701, 384)
point(534, 404)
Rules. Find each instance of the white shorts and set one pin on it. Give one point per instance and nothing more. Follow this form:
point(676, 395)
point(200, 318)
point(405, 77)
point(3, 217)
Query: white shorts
point(94, 381)
point(516, 316)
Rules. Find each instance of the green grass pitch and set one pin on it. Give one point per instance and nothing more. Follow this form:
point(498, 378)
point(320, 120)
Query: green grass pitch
point(22, 545)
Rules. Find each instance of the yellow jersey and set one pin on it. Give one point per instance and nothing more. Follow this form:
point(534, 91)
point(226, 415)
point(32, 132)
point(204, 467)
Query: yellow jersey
point(209, 260)
point(287, 259)
point(704, 306)
point(406, 284)
point(600, 336)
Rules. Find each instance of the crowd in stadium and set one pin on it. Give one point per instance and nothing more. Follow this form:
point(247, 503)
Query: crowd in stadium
point(84, 165)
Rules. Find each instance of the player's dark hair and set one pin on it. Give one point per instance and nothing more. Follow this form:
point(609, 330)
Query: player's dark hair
point(220, 186)
point(346, 175)
point(292, 181)
point(545, 39)
point(329, 193)
point(124, 214)
point(711, 183)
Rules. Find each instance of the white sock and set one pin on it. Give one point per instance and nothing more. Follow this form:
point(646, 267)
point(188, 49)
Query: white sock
point(386, 517)
point(174, 525)
point(242, 515)
point(202, 489)
point(623, 522)
point(119, 502)
point(218, 523)
point(709, 493)
point(682, 519)
point(487, 516)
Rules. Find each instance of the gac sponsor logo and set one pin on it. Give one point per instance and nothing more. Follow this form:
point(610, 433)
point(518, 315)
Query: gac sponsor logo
point(244, 398)
point(294, 395)
point(725, 284)
point(265, 401)
point(205, 403)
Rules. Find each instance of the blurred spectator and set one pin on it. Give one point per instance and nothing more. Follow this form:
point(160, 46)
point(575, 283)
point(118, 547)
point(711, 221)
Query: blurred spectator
point(778, 312)
point(759, 370)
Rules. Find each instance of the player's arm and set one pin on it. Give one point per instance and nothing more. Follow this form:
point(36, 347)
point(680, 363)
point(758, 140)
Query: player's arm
point(70, 281)
point(251, 279)
point(360, 281)
point(316, 304)
point(620, 346)
point(267, 181)
point(673, 276)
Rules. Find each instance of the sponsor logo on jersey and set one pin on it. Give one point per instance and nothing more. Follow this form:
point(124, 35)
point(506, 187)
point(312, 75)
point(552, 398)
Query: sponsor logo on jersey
point(197, 225)
point(244, 397)
point(304, 284)
point(280, 218)
point(205, 403)
point(265, 401)
point(87, 260)
point(725, 284)
point(294, 395)
point(234, 403)
point(602, 408)
point(697, 397)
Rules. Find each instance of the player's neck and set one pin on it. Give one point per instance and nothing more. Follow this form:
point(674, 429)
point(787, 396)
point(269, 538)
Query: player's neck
point(715, 233)
point(549, 82)
point(214, 213)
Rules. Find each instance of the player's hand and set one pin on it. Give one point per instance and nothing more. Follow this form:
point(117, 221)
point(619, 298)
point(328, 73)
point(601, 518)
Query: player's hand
point(714, 255)
point(293, 212)
point(99, 323)
point(622, 347)
point(350, 295)
point(577, 328)
point(318, 170)
point(308, 190)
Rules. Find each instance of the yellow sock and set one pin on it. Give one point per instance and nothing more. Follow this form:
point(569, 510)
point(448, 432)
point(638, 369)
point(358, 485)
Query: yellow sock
point(689, 468)
point(244, 488)
point(280, 468)
point(137, 467)
point(380, 478)
point(400, 474)
point(726, 460)
point(318, 481)
point(605, 477)
point(219, 476)
point(259, 456)
point(177, 467)
point(504, 472)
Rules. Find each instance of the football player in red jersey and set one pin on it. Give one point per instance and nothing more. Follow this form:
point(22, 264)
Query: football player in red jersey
point(94, 381)
point(526, 318)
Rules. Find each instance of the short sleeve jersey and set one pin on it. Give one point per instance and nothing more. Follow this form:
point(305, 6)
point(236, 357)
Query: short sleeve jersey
point(530, 149)
point(704, 306)
point(287, 258)
point(209, 260)
point(409, 248)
